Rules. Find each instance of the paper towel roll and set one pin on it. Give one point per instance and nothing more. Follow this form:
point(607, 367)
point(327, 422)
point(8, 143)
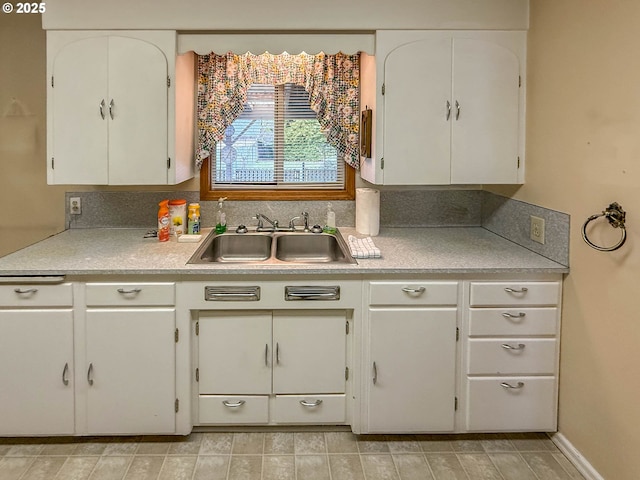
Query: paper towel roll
point(368, 211)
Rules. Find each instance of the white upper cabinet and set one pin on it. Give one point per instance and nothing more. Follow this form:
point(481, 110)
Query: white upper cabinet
point(450, 108)
point(112, 109)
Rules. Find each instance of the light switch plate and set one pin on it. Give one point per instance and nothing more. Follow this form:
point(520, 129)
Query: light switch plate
point(537, 229)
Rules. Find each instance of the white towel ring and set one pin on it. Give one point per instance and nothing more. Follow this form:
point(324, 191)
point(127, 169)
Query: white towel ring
point(616, 216)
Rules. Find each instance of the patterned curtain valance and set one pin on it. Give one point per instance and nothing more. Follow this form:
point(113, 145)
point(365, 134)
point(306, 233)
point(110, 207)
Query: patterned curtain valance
point(332, 81)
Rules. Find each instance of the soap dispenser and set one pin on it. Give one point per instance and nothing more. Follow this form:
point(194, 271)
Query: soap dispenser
point(221, 217)
point(330, 226)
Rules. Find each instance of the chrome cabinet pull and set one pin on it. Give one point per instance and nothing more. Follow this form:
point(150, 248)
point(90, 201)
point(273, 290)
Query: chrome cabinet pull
point(90, 374)
point(458, 110)
point(65, 370)
point(102, 105)
point(111, 104)
point(304, 403)
point(520, 346)
point(133, 291)
point(266, 354)
point(415, 291)
point(511, 315)
point(448, 116)
point(515, 290)
point(506, 385)
point(28, 291)
point(277, 353)
point(229, 404)
point(375, 373)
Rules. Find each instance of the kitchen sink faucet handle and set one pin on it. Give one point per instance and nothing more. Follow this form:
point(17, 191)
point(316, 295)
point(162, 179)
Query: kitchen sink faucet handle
point(292, 223)
point(305, 216)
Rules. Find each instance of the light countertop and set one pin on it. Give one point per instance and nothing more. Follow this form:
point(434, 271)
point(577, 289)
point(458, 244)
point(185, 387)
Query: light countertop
point(436, 250)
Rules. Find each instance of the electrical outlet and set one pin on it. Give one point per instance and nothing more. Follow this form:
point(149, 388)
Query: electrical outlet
point(75, 206)
point(537, 229)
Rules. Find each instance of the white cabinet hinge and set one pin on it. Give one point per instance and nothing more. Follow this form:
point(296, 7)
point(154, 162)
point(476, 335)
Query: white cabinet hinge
point(177, 335)
point(346, 373)
point(197, 328)
point(168, 81)
point(177, 405)
point(383, 88)
point(197, 374)
point(455, 403)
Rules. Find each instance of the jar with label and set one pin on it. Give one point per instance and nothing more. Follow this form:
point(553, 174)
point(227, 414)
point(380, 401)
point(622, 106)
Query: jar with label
point(178, 214)
point(193, 225)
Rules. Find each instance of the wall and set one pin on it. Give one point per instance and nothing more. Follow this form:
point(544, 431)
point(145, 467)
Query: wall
point(31, 209)
point(583, 152)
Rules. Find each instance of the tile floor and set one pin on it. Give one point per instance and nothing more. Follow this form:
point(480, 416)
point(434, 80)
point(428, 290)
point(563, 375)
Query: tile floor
point(284, 455)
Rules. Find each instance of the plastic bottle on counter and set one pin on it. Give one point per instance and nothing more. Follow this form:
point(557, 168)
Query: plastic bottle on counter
point(164, 219)
point(330, 226)
point(178, 215)
point(193, 225)
point(221, 217)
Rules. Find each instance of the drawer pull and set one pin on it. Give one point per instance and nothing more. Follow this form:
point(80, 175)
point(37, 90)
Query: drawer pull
point(133, 291)
point(508, 386)
point(317, 403)
point(516, 290)
point(520, 346)
point(28, 291)
point(266, 354)
point(414, 291)
point(229, 404)
point(90, 374)
point(277, 353)
point(375, 373)
point(511, 315)
point(65, 370)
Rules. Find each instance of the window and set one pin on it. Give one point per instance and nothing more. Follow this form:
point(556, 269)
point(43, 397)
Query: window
point(272, 146)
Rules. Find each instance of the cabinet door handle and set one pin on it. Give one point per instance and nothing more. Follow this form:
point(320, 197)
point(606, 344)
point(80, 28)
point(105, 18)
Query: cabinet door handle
point(65, 370)
point(102, 105)
point(508, 386)
point(90, 374)
point(415, 291)
point(375, 373)
point(111, 104)
point(266, 354)
point(448, 116)
point(304, 403)
point(133, 291)
point(277, 353)
point(229, 404)
point(511, 315)
point(28, 291)
point(516, 290)
point(520, 346)
point(458, 110)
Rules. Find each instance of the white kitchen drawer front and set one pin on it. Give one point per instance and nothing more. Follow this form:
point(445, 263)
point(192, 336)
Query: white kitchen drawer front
point(309, 409)
point(36, 295)
point(512, 404)
point(512, 356)
point(510, 321)
point(413, 293)
point(130, 294)
point(514, 293)
point(222, 409)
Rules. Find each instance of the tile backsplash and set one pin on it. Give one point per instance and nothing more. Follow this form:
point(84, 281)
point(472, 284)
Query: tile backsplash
point(398, 208)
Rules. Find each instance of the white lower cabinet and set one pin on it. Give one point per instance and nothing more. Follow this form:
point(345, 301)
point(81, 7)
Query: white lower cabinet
point(36, 354)
point(410, 374)
point(283, 366)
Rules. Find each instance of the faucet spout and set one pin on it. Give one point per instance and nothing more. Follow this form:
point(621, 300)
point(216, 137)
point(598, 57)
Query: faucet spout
point(260, 228)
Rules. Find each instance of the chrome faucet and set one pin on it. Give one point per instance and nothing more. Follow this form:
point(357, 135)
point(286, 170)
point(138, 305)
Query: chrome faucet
point(261, 228)
point(292, 224)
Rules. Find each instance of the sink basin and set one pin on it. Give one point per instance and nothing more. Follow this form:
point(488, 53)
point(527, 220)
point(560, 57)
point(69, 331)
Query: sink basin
point(232, 248)
point(309, 248)
point(273, 248)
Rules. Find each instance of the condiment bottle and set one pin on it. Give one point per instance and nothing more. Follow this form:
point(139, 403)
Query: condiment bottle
point(164, 219)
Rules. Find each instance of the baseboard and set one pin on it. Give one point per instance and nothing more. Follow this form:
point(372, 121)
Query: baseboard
point(575, 457)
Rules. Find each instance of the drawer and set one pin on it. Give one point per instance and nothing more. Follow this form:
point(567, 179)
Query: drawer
point(413, 293)
point(309, 409)
point(514, 293)
point(233, 409)
point(60, 295)
point(127, 294)
point(493, 407)
point(509, 321)
point(512, 356)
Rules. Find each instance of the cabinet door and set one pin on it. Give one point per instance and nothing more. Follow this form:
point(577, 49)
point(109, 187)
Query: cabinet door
point(235, 353)
point(411, 375)
point(484, 147)
point(417, 129)
point(309, 351)
point(80, 111)
point(131, 371)
point(137, 112)
point(36, 354)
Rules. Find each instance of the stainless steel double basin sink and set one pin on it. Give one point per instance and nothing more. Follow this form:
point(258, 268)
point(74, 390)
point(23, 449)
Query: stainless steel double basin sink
point(281, 247)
